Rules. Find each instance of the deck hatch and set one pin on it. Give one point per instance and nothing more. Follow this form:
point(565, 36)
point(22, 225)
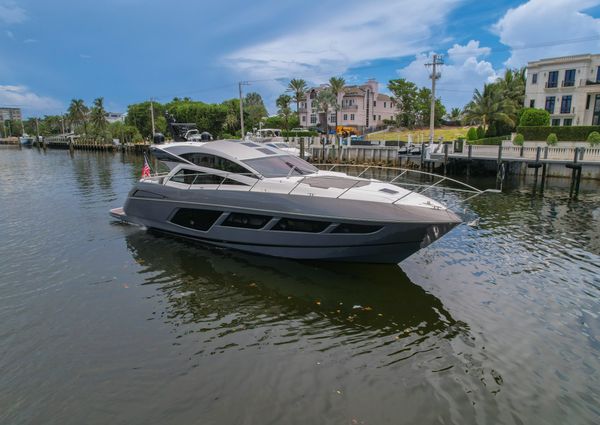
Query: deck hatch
point(246, 221)
point(390, 191)
point(266, 151)
point(195, 218)
point(296, 225)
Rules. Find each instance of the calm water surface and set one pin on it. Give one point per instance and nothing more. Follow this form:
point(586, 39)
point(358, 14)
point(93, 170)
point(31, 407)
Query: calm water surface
point(105, 323)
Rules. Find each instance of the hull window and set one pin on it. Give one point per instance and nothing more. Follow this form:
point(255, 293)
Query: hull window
point(195, 219)
point(144, 194)
point(356, 228)
point(308, 226)
point(246, 221)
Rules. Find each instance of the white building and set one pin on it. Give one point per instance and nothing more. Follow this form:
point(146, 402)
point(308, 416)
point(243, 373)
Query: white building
point(361, 107)
point(115, 116)
point(567, 87)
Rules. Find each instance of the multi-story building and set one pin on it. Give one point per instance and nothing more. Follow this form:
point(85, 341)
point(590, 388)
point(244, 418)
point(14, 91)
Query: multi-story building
point(567, 87)
point(112, 117)
point(361, 107)
point(12, 114)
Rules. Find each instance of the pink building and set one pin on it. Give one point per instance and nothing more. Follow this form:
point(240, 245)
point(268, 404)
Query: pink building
point(361, 107)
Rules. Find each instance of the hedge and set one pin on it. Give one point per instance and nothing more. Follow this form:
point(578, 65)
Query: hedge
point(489, 140)
point(578, 133)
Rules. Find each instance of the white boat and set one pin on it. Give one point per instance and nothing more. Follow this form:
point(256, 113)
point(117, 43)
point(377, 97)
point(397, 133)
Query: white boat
point(26, 140)
point(247, 196)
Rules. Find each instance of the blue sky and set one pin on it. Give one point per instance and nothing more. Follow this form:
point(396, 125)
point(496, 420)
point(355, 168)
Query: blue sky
point(130, 50)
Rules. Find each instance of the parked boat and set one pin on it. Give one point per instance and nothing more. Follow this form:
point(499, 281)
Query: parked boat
point(26, 140)
point(247, 196)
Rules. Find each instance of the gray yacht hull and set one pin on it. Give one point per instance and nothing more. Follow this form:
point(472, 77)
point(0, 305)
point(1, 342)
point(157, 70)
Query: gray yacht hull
point(296, 227)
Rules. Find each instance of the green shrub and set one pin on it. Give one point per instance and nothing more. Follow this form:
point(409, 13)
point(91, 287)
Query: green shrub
point(594, 138)
point(552, 139)
point(480, 133)
point(534, 117)
point(299, 133)
point(519, 139)
point(472, 134)
point(489, 140)
point(576, 133)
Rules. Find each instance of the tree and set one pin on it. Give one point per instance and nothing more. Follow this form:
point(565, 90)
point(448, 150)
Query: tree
point(455, 114)
point(325, 100)
point(254, 109)
point(337, 87)
point(490, 106)
point(552, 140)
point(480, 132)
point(298, 89)
point(78, 114)
point(284, 111)
point(405, 96)
point(519, 139)
point(534, 117)
point(594, 138)
point(138, 115)
point(98, 119)
point(472, 134)
point(423, 108)
point(125, 133)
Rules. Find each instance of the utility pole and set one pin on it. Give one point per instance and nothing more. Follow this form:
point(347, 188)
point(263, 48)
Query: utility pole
point(152, 115)
point(435, 75)
point(240, 84)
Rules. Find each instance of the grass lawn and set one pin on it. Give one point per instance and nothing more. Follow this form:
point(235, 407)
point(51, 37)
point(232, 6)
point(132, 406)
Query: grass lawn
point(448, 133)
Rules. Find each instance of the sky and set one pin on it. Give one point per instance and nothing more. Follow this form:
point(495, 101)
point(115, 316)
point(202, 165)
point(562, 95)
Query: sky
point(128, 51)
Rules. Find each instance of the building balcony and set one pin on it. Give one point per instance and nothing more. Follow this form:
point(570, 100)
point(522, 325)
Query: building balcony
point(350, 108)
point(567, 111)
point(551, 84)
point(568, 84)
point(591, 83)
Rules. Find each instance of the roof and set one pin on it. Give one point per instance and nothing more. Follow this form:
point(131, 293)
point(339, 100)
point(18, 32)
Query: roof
point(381, 96)
point(232, 149)
point(354, 91)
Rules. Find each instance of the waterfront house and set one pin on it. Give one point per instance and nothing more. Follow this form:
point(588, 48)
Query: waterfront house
point(360, 106)
point(567, 87)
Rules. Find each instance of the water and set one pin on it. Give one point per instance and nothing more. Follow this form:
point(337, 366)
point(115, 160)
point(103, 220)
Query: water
point(104, 323)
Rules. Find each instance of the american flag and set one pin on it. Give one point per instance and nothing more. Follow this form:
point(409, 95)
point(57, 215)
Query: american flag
point(146, 169)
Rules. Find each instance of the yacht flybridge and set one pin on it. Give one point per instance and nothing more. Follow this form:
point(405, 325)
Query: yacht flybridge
point(249, 197)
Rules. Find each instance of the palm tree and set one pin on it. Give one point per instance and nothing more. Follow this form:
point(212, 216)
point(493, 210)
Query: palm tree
point(298, 89)
point(78, 113)
point(337, 86)
point(455, 114)
point(98, 118)
point(512, 85)
point(283, 103)
point(324, 101)
point(490, 106)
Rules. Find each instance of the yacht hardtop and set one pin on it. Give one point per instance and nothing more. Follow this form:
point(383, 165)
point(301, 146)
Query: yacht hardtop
point(248, 196)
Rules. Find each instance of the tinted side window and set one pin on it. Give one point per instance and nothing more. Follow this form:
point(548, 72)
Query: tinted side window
point(356, 228)
point(195, 219)
point(213, 161)
point(247, 221)
point(309, 226)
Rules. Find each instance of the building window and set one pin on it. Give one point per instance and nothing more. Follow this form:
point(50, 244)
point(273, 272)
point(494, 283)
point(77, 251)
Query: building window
point(303, 118)
point(313, 119)
point(587, 101)
point(332, 118)
point(569, 78)
point(345, 117)
point(567, 122)
point(351, 117)
point(374, 117)
point(532, 103)
point(598, 75)
point(533, 78)
point(550, 104)
point(379, 117)
point(555, 122)
point(385, 104)
point(374, 103)
point(565, 105)
point(552, 79)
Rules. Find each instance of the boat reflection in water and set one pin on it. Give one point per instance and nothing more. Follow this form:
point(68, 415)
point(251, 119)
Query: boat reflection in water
point(228, 292)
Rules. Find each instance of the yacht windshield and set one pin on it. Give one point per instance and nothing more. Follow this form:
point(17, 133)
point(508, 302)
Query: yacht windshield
point(281, 166)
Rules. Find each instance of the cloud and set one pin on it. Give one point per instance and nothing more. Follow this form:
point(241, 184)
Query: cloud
point(561, 26)
point(9, 34)
point(10, 13)
point(29, 40)
point(84, 56)
point(21, 96)
point(352, 35)
point(463, 71)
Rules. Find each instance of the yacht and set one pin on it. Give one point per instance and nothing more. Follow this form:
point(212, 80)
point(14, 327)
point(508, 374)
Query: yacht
point(250, 197)
point(26, 140)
